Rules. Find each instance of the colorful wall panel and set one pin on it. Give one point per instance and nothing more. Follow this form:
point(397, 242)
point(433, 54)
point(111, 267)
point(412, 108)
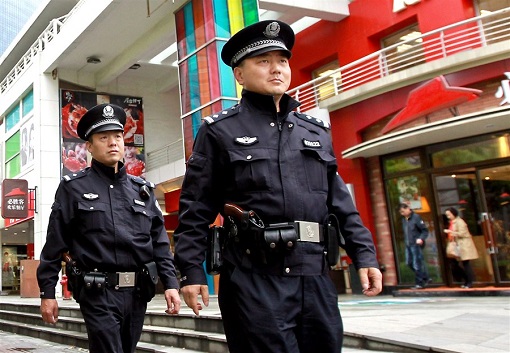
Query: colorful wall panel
point(207, 85)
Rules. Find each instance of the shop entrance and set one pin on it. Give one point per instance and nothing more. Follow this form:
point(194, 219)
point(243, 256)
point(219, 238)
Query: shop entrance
point(482, 197)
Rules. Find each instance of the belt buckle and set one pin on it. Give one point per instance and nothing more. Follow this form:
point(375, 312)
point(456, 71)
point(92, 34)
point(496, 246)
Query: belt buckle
point(309, 231)
point(126, 279)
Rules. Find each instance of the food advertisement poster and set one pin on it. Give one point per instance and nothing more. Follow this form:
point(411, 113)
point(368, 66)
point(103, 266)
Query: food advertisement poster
point(74, 153)
point(409, 192)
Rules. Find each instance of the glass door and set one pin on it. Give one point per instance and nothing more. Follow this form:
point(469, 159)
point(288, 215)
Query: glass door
point(496, 218)
point(461, 190)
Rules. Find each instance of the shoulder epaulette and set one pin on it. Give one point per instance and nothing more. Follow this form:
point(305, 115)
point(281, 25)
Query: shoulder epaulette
point(211, 119)
point(77, 175)
point(313, 120)
point(141, 181)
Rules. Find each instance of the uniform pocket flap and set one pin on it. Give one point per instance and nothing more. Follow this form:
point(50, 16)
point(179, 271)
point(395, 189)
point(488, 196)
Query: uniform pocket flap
point(248, 155)
point(141, 210)
point(92, 206)
point(196, 161)
point(319, 154)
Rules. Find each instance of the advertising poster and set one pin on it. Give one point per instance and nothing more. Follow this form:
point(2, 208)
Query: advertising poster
point(27, 143)
point(74, 104)
point(409, 192)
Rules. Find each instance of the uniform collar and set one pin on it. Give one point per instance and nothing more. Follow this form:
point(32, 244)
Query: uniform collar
point(265, 103)
point(109, 172)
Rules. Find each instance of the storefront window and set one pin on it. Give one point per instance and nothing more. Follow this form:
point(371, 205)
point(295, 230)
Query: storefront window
point(12, 156)
point(485, 6)
point(28, 103)
point(332, 81)
point(415, 191)
point(407, 54)
point(12, 118)
point(492, 148)
point(403, 163)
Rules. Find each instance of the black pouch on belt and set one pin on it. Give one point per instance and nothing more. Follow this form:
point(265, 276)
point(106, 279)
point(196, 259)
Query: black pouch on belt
point(333, 240)
point(147, 280)
point(94, 282)
point(213, 253)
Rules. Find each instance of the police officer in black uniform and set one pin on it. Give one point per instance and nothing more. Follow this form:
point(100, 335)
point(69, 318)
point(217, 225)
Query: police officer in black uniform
point(275, 293)
point(110, 224)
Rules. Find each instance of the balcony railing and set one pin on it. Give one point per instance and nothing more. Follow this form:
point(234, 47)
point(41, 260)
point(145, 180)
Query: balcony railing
point(469, 34)
point(39, 45)
point(165, 155)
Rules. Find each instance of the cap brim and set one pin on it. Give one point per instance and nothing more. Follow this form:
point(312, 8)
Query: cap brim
point(262, 51)
point(107, 127)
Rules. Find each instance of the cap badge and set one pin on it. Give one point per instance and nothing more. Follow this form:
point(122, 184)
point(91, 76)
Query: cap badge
point(108, 111)
point(272, 30)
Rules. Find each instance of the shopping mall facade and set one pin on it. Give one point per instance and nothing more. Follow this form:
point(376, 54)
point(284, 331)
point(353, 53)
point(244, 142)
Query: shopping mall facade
point(417, 93)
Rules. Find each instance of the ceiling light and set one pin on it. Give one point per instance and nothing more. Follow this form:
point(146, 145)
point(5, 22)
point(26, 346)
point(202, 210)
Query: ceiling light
point(93, 60)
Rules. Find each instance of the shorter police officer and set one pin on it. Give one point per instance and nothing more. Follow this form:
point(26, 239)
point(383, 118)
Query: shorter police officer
point(262, 158)
point(110, 224)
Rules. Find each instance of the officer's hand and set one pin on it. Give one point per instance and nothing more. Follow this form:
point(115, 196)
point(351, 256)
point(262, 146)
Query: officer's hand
point(371, 281)
point(190, 294)
point(173, 301)
point(49, 310)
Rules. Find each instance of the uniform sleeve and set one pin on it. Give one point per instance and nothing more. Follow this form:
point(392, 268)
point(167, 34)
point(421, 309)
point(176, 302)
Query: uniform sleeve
point(56, 243)
point(359, 244)
point(198, 207)
point(161, 250)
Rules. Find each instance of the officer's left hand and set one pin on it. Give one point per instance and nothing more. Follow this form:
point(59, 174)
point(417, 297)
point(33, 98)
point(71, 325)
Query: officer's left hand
point(371, 281)
point(173, 301)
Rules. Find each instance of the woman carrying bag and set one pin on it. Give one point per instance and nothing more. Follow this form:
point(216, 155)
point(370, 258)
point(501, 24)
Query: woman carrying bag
point(458, 233)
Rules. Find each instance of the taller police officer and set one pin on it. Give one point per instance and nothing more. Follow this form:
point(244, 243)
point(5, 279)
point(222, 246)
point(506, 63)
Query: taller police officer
point(111, 225)
point(275, 293)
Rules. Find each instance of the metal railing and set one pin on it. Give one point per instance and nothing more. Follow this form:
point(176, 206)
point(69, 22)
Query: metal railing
point(49, 33)
point(165, 155)
point(469, 34)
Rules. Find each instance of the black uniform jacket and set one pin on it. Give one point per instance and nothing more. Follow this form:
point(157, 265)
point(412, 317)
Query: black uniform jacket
point(282, 166)
point(100, 218)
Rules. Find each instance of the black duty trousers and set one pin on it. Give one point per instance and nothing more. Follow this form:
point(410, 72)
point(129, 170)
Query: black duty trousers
point(114, 319)
point(279, 314)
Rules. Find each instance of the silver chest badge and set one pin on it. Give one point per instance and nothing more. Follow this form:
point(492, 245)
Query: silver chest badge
point(90, 196)
point(246, 140)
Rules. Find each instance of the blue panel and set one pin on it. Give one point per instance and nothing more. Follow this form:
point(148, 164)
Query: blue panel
point(194, 85)
point(28, 103)
point(220, 9)
point(196, 121)
point(227, 80)
point(189, 27)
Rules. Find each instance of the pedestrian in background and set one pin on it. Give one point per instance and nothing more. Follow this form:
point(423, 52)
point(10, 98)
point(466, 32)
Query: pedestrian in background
point(112, 227)
point(458, 232)
point(415, 233)
point(275, 293)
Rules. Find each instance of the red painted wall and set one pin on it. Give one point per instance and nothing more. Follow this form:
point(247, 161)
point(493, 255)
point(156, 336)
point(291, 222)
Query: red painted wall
point(354, 37)
point(361, 32)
